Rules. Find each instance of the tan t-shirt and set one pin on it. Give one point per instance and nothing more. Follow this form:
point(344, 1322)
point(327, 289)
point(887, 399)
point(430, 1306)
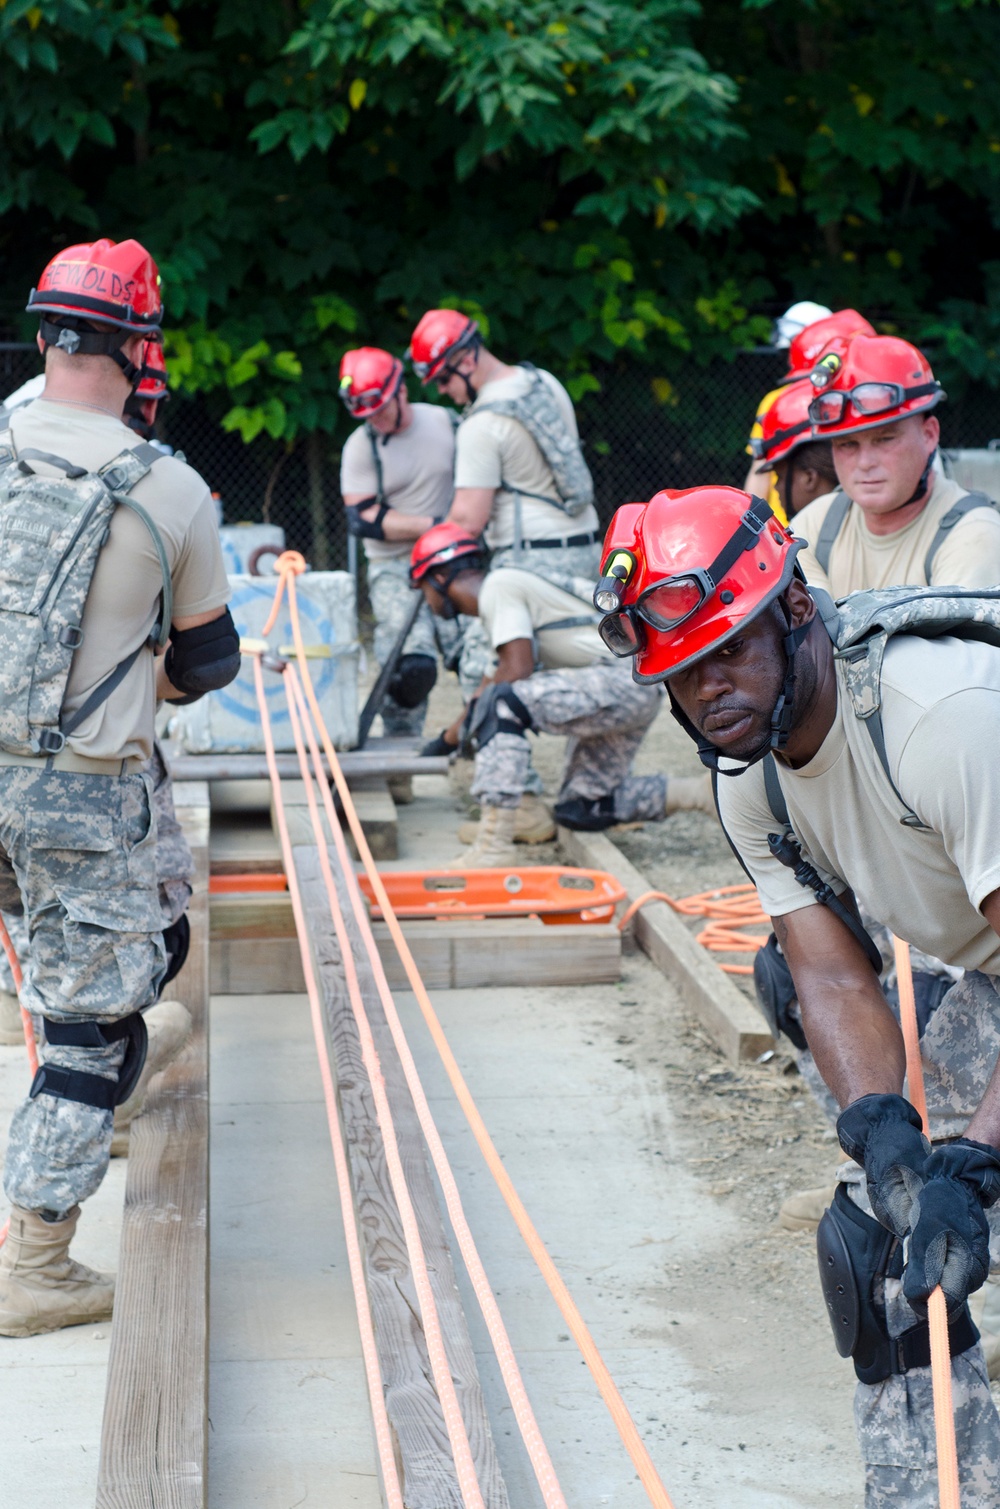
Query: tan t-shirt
point(124, 596)
point(969, 556)
point(941, 717)
point(417, 470)
point(491, 449)
point(517, 604)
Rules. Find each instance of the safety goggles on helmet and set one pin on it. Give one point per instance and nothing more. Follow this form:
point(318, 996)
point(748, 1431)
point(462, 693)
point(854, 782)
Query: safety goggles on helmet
point(866, 399)
point(368, 401)
point(667, 604)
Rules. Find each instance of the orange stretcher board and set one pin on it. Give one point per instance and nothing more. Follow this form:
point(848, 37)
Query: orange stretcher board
point(554, 893)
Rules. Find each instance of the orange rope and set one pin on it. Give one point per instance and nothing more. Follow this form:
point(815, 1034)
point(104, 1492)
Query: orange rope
point(730, 908)
point(440, 1368)
point(383, 1430)
point(513, 1382)
point(624, 1423)
point(937, 1308)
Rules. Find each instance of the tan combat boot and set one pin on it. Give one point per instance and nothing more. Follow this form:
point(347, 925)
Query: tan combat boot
point(804, 1210)
point(11, 1030)
point(494, 845)
point(168, 1025)
point(533, 823)
point(41, 1287)
point(690, 793)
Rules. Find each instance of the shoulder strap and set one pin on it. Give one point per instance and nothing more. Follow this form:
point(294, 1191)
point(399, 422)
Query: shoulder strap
point(377, 463)
point(119, 476)
point(947, 522)
point(775, 795)
point(832, 525)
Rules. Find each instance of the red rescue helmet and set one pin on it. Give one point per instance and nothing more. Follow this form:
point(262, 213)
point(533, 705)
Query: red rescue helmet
point(443, 545)
point(783, 425)
point(810, 343)
point(693, 568)
point(441, 335)
point(369, 379)
point(153, 383)
point(879, 379)
point(115, 282)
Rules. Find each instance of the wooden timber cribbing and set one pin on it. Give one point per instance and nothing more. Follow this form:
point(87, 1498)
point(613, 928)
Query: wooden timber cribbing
point(737, 1028)
point(423, 1450)
point(153, 1442)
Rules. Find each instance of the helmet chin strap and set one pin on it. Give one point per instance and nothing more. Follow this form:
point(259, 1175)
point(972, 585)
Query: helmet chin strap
point(782, 714)
point(921, 487)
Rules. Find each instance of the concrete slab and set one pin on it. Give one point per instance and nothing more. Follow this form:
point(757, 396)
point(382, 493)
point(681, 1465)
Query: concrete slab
point(289, 1417)
point(52, 1387)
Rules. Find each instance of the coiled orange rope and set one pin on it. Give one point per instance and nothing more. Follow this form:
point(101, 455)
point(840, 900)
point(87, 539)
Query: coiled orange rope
point(937, 1308)
point(287, 567)
point(730, 909)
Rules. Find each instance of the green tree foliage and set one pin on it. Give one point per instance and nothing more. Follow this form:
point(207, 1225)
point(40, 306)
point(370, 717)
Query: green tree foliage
point(872, 142)
point(593, 178)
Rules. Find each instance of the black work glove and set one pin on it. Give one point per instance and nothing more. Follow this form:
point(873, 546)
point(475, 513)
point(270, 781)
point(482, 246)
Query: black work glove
point(466, 748)
point(882, 1133)
point(950, 1242)
point(366, 529)
point(439, 746)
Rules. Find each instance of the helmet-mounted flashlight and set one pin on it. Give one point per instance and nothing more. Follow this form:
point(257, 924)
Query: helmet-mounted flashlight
point(609, 590)
point(825, 371)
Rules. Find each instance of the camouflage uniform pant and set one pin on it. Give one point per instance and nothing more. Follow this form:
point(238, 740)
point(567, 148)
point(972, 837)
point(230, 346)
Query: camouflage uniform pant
point(895, 1419)
point(174, 868)
point(391, 597)
point(78, 858)
point(605, 715)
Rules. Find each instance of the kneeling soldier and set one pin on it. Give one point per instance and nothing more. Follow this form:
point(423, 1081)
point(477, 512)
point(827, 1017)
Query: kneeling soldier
point(579, 690)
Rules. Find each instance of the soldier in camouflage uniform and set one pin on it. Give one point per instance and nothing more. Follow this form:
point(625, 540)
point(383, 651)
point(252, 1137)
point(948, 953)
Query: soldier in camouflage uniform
point(110, 553)
point(553, 676)
point(863, 763)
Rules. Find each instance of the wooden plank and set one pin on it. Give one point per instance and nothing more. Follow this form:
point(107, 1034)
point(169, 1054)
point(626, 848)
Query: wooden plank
point(737, 1028)
point(254, 950)
point(392, 758)
point(503, 951)
point(257, 914)
point(154, 1443)
point(243, 843)
point(413, 1407)
point(376, 812)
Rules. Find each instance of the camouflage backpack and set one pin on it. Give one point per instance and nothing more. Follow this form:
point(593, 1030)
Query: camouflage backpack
point(52, 530)
point(538, 411)
point(861, 626)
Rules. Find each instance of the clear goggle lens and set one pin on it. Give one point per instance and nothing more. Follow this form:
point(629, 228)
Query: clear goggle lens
point(370, 399)
point(867, 398)
point(619, 634)
point(670, 603)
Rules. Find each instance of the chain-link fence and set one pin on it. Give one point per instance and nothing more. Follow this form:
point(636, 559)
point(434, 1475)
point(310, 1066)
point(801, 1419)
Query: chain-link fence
point(641, 432)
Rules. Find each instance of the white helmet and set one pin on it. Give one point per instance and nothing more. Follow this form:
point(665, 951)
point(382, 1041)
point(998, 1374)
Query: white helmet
point(797, 318)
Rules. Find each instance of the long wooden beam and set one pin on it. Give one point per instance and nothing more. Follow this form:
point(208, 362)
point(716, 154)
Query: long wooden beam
point(414, 1410)
point(153, 1444)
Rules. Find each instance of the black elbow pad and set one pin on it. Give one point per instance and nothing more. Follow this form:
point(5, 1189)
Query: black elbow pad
point(203, 659)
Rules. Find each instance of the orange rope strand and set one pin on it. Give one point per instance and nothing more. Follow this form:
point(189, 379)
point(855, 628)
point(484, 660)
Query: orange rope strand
point(383, 1431)
point(729, 909)
point(624, 1423)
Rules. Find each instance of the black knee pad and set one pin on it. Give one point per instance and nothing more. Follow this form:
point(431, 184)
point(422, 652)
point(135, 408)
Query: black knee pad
point(176, 941)
point(854, 1251)
point(413, 680)
point(498, 709)
point(772, 980)
point(93, 1089)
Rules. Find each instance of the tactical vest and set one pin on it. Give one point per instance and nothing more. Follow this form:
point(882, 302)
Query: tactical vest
point(841, 505)
point(52, 530)
point(539, 413)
